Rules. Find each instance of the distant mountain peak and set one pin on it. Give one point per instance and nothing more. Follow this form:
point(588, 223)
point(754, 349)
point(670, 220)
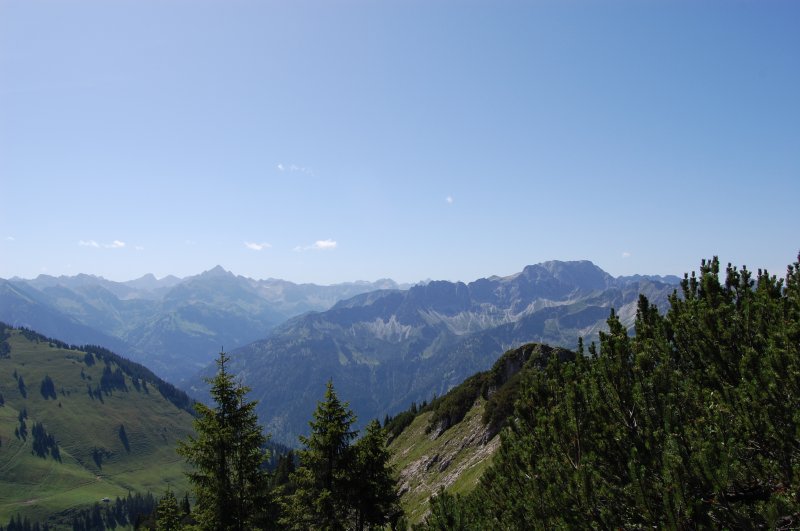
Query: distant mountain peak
point(217, 271)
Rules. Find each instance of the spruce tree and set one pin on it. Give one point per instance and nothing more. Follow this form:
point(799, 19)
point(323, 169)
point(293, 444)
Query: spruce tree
point(227, 453)
point(185, 507)
point(323, 482)
point(374, 489)
point(168, 516)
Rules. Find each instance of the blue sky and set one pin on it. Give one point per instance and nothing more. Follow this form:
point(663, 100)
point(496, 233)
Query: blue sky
point(338, 140)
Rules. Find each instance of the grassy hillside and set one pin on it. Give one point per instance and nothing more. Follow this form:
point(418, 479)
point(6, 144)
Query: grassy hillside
point(454, 460)
point(115, 431)
point(450, 442)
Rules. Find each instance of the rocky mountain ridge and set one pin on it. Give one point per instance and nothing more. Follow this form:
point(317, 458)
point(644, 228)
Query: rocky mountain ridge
point(387, 348)
point(169, 324)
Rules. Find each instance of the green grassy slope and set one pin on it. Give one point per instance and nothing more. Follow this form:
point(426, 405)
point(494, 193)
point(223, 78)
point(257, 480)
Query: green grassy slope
point(450, 442)
point(96, 460)
point(454, 460)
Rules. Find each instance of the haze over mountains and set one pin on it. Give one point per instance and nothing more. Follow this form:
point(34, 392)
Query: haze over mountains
point(383, 346)
point(387, 348)
point(174, 326)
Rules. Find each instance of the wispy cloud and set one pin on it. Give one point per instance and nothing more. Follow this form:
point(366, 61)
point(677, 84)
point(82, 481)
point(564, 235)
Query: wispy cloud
point(626, 254)
point(257, 246)
point(324, 244)
point(139, 248)
point(116, 244)
point(319, 245)
point(10, 238)
point(294, 168)
point(449, 199)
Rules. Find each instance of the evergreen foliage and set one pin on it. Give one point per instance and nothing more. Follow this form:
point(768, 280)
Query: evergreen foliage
point(185, 507)
point(132, 511)
point(44, 443)
point(340, 485)
point(693, 422)
point(48, 388)
point(374, 493)
point(23, 390)
point(229, 479)
point(111, 380)
point(129, 512)
point(394, 426)
point(168, 514)
point(24, 524)
point(322, 482)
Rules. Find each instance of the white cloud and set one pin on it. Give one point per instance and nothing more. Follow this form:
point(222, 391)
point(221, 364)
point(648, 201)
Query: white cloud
point(324, 244)
point(10, 238)
point(139, 248)
point(294, 168)
point(257, 246)
point(88, 243)
point(116, 244)
point(626, 254)
point(449, 199)
point(319, 245)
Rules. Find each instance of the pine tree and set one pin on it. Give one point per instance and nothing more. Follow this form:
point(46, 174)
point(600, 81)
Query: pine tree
point(168, 516)
point(185, 507)
point(229, 479)
point(374, 489)
point(323, 482)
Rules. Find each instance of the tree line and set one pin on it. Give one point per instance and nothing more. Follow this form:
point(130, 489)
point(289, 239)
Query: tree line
point(337, 481)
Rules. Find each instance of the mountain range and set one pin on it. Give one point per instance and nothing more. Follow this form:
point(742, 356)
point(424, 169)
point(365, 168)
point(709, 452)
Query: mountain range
point(384, 345)
point(175, 326)
point(387, 348)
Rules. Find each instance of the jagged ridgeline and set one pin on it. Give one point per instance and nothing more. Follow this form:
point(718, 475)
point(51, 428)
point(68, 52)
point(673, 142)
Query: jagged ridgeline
point(79, 425)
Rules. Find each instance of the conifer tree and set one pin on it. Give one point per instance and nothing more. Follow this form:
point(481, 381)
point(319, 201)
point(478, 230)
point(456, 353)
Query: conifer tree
point(185, 507)
point(168, 516)
point(374, 489)
point(227, 453)
point(323, 482)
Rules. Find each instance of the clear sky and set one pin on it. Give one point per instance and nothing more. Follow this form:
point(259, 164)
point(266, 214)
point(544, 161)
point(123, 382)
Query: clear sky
point(328, 140)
